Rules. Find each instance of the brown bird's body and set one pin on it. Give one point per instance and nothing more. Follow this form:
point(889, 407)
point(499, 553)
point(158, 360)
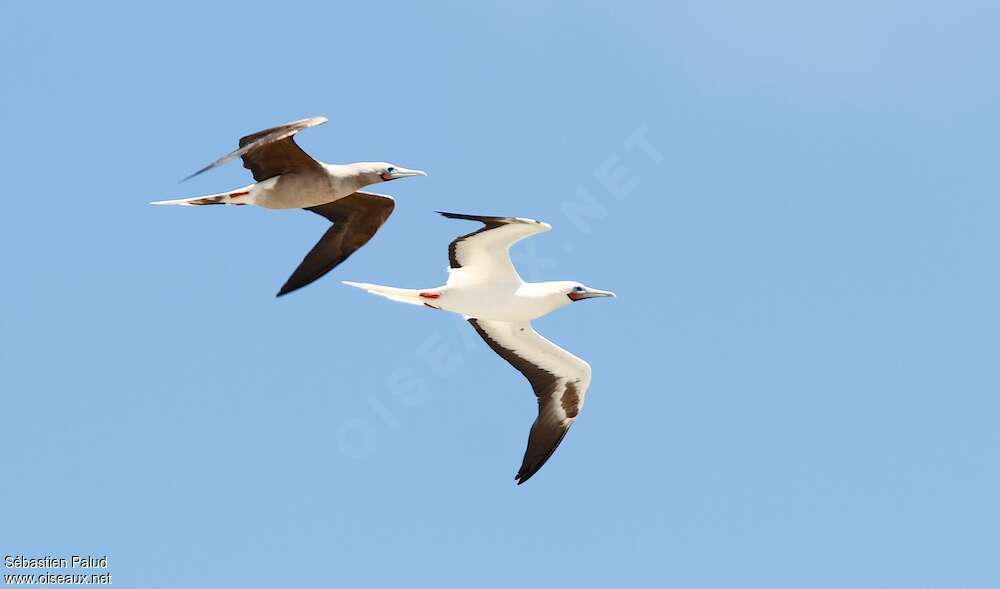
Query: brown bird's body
point(288, 178)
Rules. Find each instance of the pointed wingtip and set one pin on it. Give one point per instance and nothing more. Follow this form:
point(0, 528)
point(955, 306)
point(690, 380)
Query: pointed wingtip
point(300, 124)
point(487, 219)
point(307, 122)
point(285, 289)
point(188, 177)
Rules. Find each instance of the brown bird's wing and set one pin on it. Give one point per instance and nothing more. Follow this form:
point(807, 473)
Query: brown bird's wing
point(271, 152)
point(558, 378)
point(355, 220)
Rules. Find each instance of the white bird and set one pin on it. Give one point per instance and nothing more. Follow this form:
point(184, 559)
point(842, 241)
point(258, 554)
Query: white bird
point(484, 286)
point(288, 178)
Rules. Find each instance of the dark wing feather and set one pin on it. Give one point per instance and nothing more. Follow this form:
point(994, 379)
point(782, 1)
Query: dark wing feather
point(490, 223)
point(559, 402)
point(546, 434)
point(355, 220)
point(271, 152)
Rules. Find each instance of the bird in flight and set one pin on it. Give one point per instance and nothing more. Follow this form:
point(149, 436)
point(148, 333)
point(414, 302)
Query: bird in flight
point(484, 286)
point(289, 178)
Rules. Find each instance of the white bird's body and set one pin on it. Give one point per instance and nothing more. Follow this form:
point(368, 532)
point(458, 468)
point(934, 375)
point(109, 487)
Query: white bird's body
point(484, 287)
point(498, 302)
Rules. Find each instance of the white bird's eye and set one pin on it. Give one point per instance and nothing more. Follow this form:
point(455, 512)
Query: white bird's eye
point(578, 288)
point(390, 170)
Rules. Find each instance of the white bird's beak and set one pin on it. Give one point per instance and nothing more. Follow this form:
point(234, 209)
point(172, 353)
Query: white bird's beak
point(402, 173)
point(590, 293)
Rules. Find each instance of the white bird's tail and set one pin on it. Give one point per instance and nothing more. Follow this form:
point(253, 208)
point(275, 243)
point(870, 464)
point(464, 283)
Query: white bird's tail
point(240, 196)
point(403, 295)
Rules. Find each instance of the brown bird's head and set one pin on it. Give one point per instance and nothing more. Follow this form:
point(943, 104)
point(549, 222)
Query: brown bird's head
point(375, 172)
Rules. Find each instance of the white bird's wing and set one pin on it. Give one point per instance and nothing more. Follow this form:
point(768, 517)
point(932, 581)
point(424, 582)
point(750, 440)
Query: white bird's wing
point(483, 255)
point(559, 379)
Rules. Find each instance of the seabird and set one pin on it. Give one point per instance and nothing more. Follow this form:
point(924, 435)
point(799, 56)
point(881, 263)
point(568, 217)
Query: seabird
point(288, 178)
point(484, 286)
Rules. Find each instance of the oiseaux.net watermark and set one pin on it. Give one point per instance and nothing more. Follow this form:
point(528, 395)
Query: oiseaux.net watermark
point(72, 569)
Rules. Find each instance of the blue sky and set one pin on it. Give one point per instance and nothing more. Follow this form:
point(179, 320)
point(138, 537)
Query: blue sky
point(797, 385)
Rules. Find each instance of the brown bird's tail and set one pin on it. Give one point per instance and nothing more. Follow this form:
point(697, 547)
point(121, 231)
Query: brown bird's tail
point(233, 197)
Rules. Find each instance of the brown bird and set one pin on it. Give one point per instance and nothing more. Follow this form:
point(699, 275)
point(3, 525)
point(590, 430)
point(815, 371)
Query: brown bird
point(289, 178)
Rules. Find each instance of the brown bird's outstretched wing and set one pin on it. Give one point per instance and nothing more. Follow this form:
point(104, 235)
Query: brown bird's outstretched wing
point(271, 152)
point(355, 220)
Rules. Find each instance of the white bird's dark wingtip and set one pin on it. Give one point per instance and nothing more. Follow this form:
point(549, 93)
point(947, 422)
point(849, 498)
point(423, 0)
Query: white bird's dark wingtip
point(494, 220)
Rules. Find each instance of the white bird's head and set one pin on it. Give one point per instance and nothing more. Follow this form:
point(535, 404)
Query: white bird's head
point(375, 172)
point(571, 292)
point(580, 292)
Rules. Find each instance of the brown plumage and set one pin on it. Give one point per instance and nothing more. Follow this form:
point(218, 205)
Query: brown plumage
point(355, 220)
point(271, 152)
point(287, 177)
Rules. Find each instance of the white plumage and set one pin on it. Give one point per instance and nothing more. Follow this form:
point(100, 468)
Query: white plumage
point(484, 286)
